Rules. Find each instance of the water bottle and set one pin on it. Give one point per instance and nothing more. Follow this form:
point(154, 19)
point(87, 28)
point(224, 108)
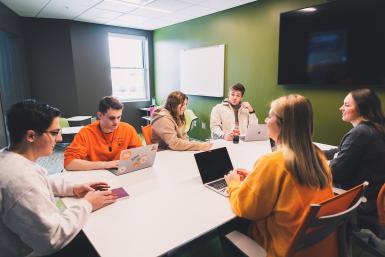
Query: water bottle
point(236, 134)
point(151, 109)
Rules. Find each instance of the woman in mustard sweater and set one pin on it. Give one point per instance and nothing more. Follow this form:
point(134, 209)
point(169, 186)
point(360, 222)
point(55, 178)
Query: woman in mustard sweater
point(277, 192)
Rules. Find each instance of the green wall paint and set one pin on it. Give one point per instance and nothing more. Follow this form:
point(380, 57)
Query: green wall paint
point(251, 34)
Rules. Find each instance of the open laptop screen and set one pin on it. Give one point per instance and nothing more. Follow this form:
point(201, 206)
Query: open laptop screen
point(213, 164)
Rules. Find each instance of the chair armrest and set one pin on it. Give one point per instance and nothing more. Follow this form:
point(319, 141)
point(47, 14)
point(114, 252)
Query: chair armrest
point(247, 245)
point(338, 191)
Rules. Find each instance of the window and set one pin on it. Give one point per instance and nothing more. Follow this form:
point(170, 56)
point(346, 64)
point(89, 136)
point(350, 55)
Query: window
point(129, 67)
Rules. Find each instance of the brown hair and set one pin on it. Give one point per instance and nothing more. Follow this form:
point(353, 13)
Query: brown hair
point(369, 107)
point(174, 99)
point(238, 87)
point(109, 102)
point(302, 158)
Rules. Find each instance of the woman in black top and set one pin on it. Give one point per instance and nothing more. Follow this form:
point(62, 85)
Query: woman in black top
point(361, 154)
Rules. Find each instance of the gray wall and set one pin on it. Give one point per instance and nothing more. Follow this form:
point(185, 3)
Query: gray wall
point(92, 67)
point(49, 58)
point(14, 84)
point(9, 21)
point(70, 65)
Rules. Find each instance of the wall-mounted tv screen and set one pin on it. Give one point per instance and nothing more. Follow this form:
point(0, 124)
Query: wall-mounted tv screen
point(338, 43)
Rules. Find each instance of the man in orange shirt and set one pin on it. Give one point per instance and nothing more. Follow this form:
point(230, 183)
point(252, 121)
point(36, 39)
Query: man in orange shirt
point(98, 145)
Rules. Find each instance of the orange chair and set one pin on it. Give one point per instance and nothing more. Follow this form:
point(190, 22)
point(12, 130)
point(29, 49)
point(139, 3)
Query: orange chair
point(381, 206)
point(147, 133)
point(369, 244)
point(322, 233)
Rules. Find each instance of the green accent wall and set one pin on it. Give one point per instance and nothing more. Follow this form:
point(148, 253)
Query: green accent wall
point(251, 35)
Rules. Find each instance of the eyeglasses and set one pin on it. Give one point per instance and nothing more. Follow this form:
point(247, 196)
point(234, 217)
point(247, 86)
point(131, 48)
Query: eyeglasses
point(53, 133)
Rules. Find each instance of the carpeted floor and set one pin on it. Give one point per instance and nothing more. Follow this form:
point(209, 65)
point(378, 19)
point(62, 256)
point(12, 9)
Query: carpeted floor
point(53, 163)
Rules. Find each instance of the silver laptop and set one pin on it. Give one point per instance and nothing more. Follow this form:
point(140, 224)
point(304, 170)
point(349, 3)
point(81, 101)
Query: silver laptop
point(212, 166)
point(136, 159)
point(256, 132)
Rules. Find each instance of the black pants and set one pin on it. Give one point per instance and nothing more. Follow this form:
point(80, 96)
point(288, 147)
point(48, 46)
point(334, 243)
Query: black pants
point(79, 246)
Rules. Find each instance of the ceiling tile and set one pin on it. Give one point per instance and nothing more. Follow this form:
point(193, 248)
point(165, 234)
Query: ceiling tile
point(156, 23)
point(148, 13)
point(129, 18)
point(25, 8)
point(126, 24)
point(192, 12)
point(93, 19)
point(170, 5)
point(67, 9)
point(115, 6)
point(195, 1)
point(221, 4)
point(141, 2)
point(99, 13)
point(113, 12)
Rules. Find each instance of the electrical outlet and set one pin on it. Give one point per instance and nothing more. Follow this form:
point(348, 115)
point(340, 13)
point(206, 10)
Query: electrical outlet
point(203, 125)
point(195, 123)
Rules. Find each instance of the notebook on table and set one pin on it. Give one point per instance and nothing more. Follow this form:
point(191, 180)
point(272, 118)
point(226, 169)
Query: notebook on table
point(212, 166)
point(136, 159)
point(256, 132)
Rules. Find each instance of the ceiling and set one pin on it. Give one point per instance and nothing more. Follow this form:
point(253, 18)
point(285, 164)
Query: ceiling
point(141, 14)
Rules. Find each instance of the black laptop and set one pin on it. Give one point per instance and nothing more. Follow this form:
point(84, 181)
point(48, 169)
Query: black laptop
point(213, 165)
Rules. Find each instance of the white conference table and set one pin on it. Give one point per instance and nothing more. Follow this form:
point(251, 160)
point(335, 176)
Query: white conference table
point(168, 204)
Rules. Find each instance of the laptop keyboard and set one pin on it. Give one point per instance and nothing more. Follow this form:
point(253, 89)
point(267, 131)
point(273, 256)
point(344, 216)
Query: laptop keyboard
point(219, 184)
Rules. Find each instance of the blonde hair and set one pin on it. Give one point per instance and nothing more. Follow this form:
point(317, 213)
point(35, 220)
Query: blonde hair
point(302, 158)
point(174, 99)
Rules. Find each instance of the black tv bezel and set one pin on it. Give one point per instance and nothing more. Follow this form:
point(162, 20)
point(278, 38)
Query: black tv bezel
point(284, 83)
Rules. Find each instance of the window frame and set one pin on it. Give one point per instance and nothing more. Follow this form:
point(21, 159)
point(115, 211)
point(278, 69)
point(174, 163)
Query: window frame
point(145, 61)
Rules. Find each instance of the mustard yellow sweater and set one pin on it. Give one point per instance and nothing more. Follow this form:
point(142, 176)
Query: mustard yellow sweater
point(271, 197)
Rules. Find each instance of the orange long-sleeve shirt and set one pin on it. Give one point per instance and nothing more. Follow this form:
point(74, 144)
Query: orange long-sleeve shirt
point(92, 144)
point(276, 203)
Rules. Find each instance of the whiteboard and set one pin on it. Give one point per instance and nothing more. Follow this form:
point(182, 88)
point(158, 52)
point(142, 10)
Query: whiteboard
point(202, 71)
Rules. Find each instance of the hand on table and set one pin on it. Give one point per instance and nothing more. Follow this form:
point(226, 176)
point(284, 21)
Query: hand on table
point(206, 146)
point(243, 173)
point(238, 174)
point(99, 199)
point(232, 176)
point(228, 136)
point(111, 164)
point(81, 190)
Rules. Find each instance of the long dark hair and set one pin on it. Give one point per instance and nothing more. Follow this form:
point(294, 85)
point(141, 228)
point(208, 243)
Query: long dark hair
point(369, 107)
point(174, 99)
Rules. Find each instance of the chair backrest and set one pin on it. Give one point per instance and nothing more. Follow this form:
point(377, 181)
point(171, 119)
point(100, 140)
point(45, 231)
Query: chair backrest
point(147, 133)
point(190, 116)
point(323, 231)
point(381, 206)
point(63, 123)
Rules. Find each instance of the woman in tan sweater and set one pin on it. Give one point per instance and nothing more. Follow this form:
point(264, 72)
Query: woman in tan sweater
point(168, 126)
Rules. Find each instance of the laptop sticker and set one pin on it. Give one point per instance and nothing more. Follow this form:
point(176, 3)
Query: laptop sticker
point(126, 155)
point(122, 169)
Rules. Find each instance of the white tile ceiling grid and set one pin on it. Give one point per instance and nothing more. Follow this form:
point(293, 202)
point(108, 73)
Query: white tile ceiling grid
point(141, 14)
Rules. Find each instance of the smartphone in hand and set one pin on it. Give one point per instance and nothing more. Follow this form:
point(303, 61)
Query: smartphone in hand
point(120, 193)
